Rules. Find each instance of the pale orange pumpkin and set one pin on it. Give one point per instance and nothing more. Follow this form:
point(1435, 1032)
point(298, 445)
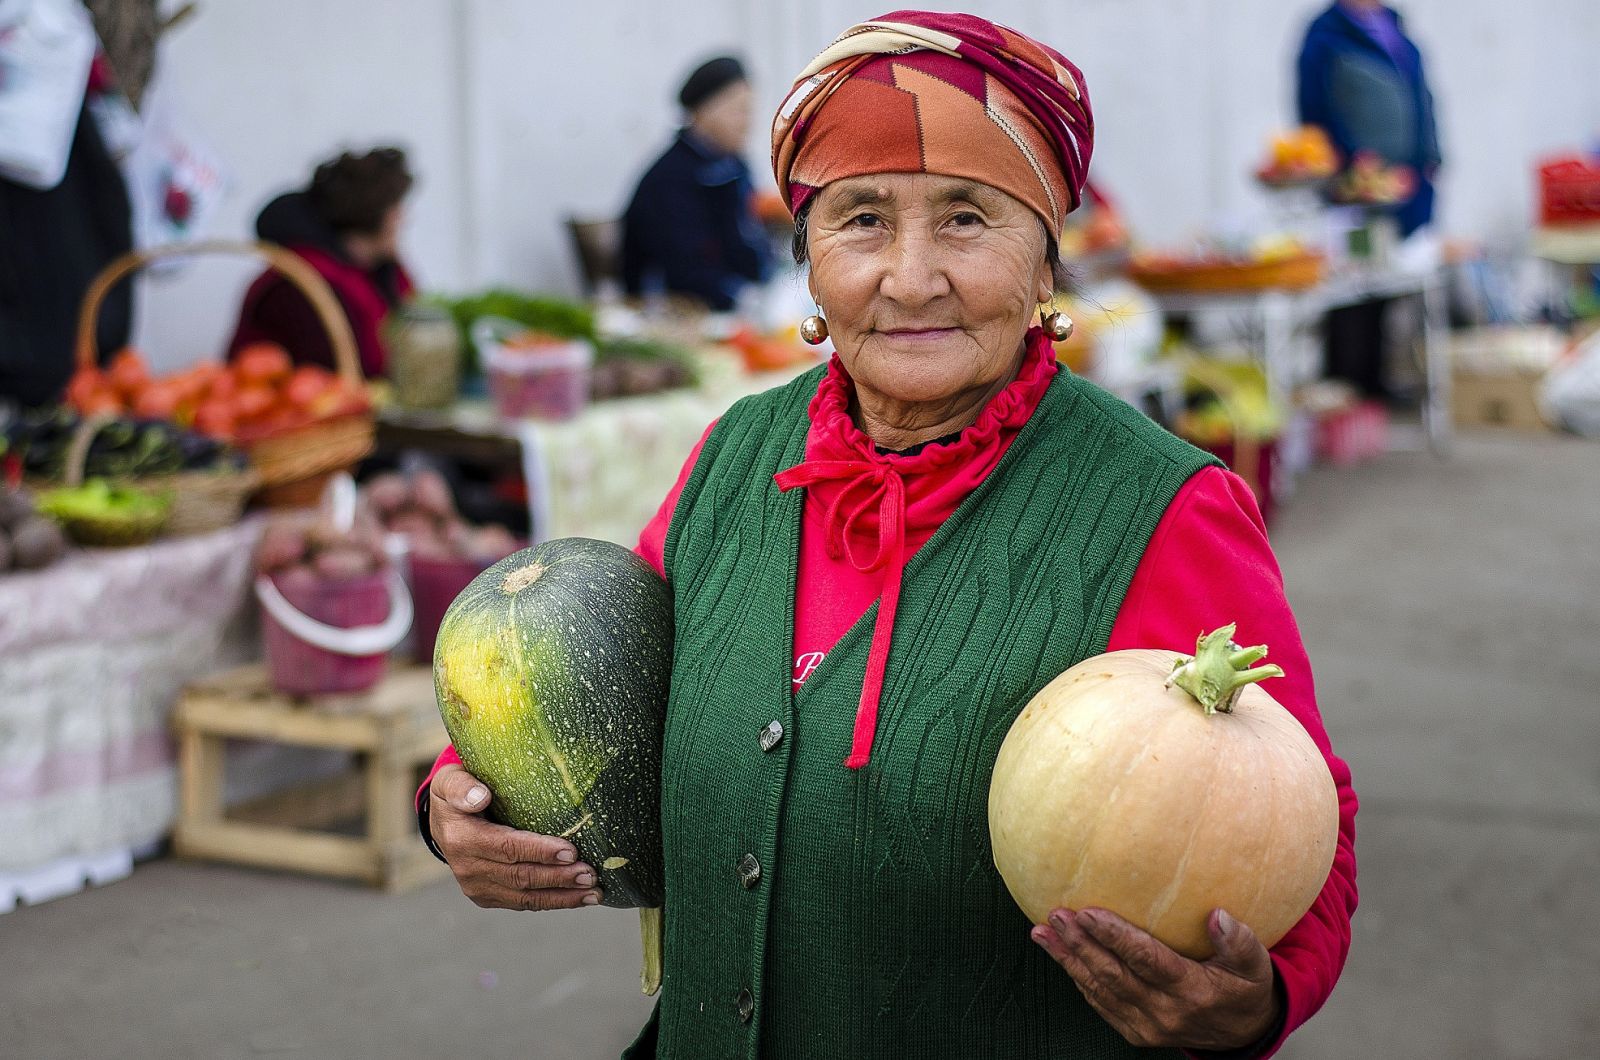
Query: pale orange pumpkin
point(1162, 786)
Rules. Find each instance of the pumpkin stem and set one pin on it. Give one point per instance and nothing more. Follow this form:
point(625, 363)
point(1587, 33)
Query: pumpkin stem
point(1220, 670)
point(650, 931)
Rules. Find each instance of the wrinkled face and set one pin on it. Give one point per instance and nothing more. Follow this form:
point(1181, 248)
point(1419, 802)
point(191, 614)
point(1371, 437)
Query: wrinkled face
point(724, 119)
point(928, 283)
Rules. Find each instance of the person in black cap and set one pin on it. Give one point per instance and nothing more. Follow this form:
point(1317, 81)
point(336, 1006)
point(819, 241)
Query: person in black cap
point(690, 228)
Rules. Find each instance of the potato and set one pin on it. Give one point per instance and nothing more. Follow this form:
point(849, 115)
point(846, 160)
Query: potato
point(432, 548)
point(36, 542)
point(492, 543)
point(416, 525)
point(283, 544)
point(387, 494)
point(342, 564)
point(458, 537)
point(431, 494)
point(15, 506)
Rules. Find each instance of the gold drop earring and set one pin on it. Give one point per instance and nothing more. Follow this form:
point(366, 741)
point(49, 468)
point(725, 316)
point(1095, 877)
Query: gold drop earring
point(1056, 324)
point(814, 329)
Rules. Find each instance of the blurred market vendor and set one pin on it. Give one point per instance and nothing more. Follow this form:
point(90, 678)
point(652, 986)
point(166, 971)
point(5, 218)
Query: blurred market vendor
point(346, 225)
point(691, 229)
point(874, 567)
point(1361, 79)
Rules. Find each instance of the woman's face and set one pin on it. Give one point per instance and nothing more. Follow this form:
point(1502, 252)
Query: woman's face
point(724, 119)
point(928, 283)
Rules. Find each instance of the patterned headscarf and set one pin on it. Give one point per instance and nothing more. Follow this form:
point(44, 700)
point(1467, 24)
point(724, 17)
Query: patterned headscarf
point(926, 92)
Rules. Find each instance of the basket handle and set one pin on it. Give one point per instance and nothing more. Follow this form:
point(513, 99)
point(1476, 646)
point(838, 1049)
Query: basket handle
point(77, 456)
point(354, 641)
point(292, 266)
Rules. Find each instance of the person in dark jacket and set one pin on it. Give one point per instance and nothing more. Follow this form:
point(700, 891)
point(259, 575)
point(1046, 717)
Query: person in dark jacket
point(1361, 79)
point(690, 228)
point(346, 225)
point(52, 244)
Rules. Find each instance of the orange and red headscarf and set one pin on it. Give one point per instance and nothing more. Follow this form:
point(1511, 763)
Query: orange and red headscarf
point(927, 92)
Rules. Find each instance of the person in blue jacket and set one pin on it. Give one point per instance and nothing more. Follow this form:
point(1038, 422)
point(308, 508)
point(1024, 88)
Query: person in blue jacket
point(691, 228)
point(1361, 79)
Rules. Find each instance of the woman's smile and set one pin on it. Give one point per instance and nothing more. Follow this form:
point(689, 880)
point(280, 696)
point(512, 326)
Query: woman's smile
point(918, 336)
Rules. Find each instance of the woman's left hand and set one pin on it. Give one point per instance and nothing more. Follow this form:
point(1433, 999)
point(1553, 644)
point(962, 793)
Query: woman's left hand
point(1154, 996)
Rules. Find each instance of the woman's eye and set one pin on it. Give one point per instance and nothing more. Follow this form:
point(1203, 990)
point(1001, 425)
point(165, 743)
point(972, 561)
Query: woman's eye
point(865, 220)
point(966, 218)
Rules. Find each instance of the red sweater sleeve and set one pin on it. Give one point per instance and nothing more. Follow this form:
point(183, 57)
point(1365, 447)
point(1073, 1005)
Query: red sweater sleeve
point(651, 548)
point(1209, 564)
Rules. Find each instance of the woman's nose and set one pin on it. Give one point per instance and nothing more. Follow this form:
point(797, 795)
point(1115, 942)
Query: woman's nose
point(912, 274)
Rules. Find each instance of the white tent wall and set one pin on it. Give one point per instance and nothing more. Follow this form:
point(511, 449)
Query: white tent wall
point(520, 113)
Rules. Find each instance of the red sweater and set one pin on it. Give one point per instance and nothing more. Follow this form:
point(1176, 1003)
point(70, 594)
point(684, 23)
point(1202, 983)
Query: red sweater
point(275, 310)
point(1207, 564)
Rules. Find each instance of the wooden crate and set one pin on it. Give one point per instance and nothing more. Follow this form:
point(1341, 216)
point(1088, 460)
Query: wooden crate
point(394, 730)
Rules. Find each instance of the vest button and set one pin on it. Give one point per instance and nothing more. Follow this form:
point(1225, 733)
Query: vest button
point(747, 1006)
point(771, 735)
point(749, 871)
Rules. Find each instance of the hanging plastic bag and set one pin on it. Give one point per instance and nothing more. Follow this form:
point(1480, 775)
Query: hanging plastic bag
point(176, 181)
point(46, 47)
point(1570, 394)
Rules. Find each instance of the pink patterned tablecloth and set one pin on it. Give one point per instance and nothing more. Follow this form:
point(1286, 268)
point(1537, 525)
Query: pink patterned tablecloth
point(93, 653)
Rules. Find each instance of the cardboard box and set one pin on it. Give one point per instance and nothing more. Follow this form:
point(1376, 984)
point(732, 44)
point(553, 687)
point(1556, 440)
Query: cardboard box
point(1505, 398)
point(1496, 373)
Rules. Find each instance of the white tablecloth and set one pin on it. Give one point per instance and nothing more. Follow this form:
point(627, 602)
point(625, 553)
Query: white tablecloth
point(93, 652)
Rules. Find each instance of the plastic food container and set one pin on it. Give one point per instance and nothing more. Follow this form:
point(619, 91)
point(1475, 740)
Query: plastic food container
point(323, 637)
point(534, 376)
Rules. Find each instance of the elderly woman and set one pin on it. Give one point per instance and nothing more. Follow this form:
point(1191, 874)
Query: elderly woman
point(875, 567)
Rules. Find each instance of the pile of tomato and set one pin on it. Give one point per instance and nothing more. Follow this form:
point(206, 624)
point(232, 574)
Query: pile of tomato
point(258, 394)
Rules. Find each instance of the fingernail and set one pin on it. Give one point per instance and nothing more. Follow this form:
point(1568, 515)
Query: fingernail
point(1224, 922)
point(477, 795)
point(567, 857)
point(592, 898)
point(585, 879)
point(1060, 921)
point(1088, 921)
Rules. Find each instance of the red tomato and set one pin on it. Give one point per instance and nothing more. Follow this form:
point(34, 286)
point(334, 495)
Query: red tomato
point(215, 419)
point(222, 387)
point(101, 402)
point(306, 385)
point(86, 384)
point(263, 362)
point(253, 402)
point(128, 373)
point(158, 400)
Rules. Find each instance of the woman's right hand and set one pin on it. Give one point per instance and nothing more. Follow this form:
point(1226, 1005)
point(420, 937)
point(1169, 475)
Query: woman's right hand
point(499, 867)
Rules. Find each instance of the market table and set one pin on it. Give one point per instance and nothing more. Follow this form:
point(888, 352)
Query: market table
point(1275, 315)
point(601, 474)
point(93, 652)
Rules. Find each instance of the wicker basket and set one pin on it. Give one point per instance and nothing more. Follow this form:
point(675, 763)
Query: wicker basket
point(202, 501)
point(122, 532)
point(1293, 274)
point(294, 465)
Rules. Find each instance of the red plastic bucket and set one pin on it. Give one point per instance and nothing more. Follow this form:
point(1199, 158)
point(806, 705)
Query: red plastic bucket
point(435, 584)
point(331, 636)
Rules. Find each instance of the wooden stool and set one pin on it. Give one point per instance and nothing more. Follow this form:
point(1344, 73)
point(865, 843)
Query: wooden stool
point(394, 729)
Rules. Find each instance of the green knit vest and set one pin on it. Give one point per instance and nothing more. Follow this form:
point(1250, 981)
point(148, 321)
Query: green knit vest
point(815, 911)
